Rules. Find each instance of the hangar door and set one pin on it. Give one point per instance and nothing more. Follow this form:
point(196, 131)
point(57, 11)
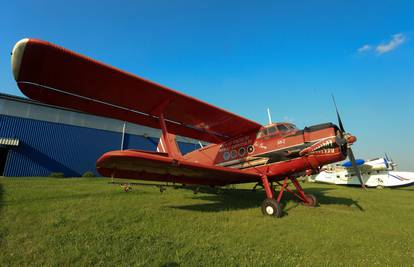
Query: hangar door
point(3, 158)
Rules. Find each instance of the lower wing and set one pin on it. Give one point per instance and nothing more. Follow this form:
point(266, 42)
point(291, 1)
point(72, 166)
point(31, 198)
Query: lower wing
point(153, 166)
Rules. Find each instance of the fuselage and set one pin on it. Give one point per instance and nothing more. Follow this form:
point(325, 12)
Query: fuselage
point(278, 148)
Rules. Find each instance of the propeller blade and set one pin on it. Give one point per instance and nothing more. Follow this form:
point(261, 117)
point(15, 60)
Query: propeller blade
point(344, 141)
point(356, 169)
point(386, 161)
point(390, 162)
point(341, 126)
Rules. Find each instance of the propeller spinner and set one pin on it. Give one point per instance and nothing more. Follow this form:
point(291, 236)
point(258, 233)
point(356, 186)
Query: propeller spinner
point(347, 140)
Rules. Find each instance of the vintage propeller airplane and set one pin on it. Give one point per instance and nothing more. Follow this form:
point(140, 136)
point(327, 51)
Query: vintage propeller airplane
point(241, 151)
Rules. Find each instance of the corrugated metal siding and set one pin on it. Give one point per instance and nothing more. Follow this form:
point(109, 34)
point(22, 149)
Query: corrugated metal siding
point(47, 147)
point(139, 142)
point(51, 147)
point(23, 108)
point(149, 143)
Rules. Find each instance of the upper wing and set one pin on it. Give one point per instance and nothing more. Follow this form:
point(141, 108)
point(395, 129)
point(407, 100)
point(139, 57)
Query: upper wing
point(54, 75)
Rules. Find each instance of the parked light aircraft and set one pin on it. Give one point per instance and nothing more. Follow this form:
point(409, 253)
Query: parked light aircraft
point(241, 150)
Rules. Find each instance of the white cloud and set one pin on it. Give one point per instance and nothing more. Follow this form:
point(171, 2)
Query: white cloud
point(365, 48)
point(397, 40)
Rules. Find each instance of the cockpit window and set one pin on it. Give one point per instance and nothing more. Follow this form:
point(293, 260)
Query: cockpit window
point(282, 128)
point(261, 133)
point(271, 130)
point(274, 129)
point(267, 131)
point(291, 126)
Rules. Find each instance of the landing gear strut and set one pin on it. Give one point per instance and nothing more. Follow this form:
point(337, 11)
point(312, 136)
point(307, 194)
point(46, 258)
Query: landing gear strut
point(312, 201)
point(271, 206)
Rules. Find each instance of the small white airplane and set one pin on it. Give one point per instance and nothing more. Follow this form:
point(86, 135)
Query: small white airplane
point(379, 172)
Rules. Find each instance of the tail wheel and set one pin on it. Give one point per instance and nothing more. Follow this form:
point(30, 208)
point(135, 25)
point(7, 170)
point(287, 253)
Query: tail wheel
point(312, 201)
point(127, 188)
point(270, 207)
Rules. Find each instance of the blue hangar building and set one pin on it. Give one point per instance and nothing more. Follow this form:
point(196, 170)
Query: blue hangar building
point(38, 139)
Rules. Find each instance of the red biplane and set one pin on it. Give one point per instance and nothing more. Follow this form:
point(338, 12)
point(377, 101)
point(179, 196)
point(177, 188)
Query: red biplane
point(241, 151)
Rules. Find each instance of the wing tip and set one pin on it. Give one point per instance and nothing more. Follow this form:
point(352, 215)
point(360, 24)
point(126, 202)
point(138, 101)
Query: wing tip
point(17, 56)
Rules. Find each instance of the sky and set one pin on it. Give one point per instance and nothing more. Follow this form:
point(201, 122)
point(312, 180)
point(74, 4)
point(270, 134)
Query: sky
point(247, 56)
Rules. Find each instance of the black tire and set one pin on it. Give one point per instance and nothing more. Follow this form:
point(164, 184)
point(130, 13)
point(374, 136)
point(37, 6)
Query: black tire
point(270, 207)
point(313, 202)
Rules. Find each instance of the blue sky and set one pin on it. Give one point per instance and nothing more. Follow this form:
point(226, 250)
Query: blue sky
point(245, 56)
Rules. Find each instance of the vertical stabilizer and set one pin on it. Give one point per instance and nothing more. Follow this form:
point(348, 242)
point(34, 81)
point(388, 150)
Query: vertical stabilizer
point(172, 145)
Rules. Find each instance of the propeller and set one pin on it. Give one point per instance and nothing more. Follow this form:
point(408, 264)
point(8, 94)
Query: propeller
point(386, 161)
point(390, 162)
point(346, 143)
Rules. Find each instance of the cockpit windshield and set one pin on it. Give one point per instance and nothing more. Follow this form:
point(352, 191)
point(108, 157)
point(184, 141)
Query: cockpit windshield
point(281, 128)
point(271, 130)
point(291, 126)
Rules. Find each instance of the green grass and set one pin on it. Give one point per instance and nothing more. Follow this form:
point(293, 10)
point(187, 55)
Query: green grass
point(85, 221)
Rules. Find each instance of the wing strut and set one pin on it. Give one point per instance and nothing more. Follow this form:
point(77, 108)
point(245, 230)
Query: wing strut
point(167, 143)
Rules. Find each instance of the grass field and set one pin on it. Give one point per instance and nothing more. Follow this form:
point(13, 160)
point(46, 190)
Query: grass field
point(61, 222)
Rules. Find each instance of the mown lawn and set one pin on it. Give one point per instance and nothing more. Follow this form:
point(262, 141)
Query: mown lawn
point(79, 221)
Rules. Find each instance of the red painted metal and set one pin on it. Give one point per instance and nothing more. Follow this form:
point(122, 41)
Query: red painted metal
point(283, 187)
point(169, 140)
point(266, 185)
point(351, 139)
point(153, 166)
point(302, 194)
point(55, 75)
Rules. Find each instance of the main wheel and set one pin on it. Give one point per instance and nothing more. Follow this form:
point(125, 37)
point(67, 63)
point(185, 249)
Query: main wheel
point(270, 207)
point(313, 202)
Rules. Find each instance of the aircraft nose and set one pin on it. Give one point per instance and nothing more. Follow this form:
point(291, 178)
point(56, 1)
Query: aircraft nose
point(351, 139)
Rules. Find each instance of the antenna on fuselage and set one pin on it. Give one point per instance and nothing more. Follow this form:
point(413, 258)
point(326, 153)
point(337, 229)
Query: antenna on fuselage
point(201, 144)
point(268, 114)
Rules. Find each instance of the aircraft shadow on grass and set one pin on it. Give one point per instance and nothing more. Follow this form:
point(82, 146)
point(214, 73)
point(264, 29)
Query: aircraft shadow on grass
point(236, 199)
point(62, 197)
